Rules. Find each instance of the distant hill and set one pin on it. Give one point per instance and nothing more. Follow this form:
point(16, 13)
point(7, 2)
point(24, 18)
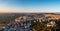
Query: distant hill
point(7, 17)
point(52, 16)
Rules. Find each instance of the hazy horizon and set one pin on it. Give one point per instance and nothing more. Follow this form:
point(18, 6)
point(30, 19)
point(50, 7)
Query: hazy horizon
point(32, 6)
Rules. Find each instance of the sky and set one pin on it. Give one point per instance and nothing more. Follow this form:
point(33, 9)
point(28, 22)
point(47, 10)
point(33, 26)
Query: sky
point(29, 6)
